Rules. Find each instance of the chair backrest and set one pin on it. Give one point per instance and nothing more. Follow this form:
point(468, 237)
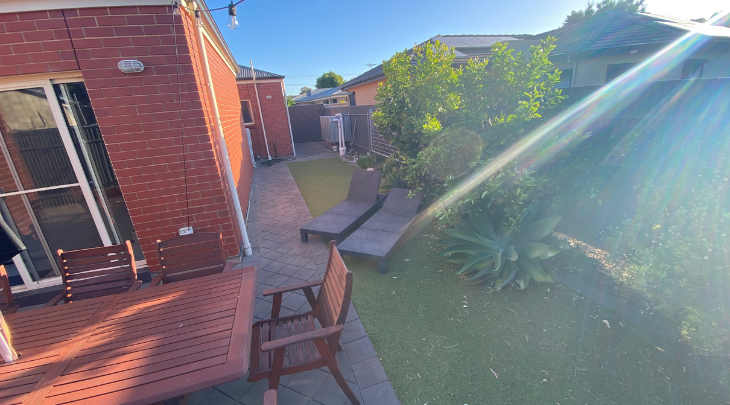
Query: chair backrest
point(398, 203)
point(333, 299)
point(189, 256)
point(364, 186)
point(6, 296)
point(96, 272)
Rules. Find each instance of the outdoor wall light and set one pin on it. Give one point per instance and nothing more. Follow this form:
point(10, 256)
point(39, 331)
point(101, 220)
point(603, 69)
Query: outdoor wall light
point(232, 20)
point(175, 8)
point(198, 20)
point(130, 66)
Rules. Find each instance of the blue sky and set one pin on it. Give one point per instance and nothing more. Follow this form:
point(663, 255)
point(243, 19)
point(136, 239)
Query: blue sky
point(302, 39)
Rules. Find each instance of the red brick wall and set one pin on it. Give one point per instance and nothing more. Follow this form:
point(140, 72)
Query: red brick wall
point(276, 120)
point(139, 113)
point(365, 93)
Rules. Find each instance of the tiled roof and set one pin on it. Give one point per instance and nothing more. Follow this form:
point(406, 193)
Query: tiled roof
point(618, 29)
point(318, 94)
point(244, 73)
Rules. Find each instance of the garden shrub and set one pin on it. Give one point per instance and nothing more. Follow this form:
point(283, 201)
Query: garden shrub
point(365, 161)
point(449, 122)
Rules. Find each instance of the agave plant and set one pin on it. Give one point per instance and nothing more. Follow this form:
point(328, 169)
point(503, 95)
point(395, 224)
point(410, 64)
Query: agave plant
point(505, 256)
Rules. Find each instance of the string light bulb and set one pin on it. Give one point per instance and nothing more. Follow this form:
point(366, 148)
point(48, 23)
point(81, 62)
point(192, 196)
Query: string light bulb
point(232, 19)
point(175, 9)
point(198, 20)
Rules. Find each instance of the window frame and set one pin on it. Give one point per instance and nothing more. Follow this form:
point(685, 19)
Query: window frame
point(695, 63)
point(629, 66)
point(250, 113)
point(570, 79)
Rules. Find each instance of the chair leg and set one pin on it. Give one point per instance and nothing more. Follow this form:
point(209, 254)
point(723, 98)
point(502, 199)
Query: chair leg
point(383, 266)
point(278, 364)
point(305, 237)
point(334, 368)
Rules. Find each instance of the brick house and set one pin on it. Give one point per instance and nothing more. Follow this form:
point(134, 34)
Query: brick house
point(268, 125)
point(93, 156)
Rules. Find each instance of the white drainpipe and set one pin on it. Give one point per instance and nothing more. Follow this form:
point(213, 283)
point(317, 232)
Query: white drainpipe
point(224, 149)
point(261, 113)
point(341, 133)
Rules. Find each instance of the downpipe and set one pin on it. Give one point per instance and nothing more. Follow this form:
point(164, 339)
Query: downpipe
point(341, 133)
point(224, 148)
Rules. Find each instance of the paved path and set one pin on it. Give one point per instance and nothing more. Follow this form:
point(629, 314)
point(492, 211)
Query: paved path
point(277, 211)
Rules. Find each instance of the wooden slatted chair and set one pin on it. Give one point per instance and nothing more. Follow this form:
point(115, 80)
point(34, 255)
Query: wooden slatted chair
point(292, 344)
point(190, 256)
point(95, 272)
point(7, 305)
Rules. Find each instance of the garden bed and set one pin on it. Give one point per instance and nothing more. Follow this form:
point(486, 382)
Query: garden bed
point(443, 341)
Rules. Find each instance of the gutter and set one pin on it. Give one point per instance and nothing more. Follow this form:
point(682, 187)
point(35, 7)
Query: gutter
point(224, 148)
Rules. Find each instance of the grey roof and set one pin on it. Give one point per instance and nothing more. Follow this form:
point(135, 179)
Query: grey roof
point(318, 94)
point(619, 29)
point(244, 73)
point(374, 73)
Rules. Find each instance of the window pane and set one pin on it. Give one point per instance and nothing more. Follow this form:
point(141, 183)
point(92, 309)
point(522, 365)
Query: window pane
point(614, 71)
point(33, 140)
point(246, 111)
point(566, 78)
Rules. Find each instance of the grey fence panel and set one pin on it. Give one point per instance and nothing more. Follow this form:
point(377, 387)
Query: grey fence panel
point(305, 122)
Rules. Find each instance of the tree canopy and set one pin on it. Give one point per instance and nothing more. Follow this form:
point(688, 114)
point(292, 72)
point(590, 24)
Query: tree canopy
point(592, 9)
point(304, 90)
point(329, 80)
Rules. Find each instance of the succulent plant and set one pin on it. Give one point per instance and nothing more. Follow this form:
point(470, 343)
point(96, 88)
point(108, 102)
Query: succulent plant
point(505, 256)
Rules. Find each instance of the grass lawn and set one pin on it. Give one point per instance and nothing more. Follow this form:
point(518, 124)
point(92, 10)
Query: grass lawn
point(442, 341)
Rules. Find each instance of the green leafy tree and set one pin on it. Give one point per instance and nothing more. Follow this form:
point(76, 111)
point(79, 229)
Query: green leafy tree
point(448, 121)
point(304, 90)
point(592, 9)
point(290, 101)
point(329, 80)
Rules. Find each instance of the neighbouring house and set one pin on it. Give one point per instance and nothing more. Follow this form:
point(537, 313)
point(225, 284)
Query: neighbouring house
point(592, 52)
point(91, 155)
point(334, 95)
point(269, 125)
point(363, 88)
point(597, 50)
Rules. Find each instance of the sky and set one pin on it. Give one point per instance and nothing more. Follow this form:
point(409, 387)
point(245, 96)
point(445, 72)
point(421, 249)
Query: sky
point(303, 39)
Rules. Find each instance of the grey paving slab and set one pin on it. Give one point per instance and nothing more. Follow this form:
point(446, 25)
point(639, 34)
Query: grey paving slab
point(277, 211)
point(369, 372)
point(359, 350)
point(380, 394)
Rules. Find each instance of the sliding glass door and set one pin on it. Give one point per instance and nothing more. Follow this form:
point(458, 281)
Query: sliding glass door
point(57, 187)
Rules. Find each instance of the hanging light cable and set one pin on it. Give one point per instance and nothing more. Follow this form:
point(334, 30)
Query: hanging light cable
point(232, 19)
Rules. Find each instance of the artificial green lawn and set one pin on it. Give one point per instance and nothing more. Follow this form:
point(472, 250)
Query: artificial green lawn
point(441, 340)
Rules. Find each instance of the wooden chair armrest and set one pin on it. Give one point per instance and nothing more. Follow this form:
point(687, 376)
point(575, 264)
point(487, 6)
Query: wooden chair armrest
point(135, 286)
point(295, 287)
point(292, 340)
point(55, 300)
point(157, 280)
point(270, 397)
